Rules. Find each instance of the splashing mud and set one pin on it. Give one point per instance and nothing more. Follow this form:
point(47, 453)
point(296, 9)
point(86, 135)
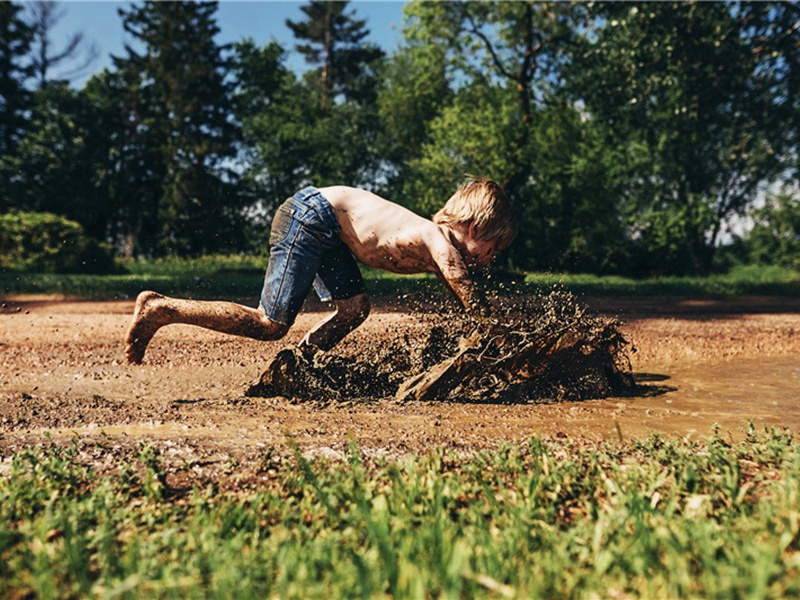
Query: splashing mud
point(541, 348)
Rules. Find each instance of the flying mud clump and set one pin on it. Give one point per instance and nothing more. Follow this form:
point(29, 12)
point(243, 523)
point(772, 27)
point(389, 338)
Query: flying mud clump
point(543, 348)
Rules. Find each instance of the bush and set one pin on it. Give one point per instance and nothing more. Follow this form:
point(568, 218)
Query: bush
point(775, 236)
point(48, 243)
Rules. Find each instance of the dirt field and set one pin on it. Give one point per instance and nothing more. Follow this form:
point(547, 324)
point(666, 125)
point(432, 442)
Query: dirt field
point(62, 371)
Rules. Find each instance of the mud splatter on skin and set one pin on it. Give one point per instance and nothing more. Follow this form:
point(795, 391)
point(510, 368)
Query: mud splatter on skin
point(538, 349)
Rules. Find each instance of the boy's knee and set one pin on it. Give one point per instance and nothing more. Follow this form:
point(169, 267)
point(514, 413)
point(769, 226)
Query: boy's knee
point(273, 330)
point(354, 310)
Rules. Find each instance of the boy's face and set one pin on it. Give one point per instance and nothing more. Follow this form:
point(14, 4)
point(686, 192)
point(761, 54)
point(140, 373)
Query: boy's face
point(479, 253)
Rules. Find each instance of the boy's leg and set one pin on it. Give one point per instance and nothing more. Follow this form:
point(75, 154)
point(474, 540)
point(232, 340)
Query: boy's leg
point(339, 279)
point(350, 313)
point(153, 311)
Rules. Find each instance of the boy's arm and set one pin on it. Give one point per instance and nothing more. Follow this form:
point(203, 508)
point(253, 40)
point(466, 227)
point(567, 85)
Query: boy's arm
point(468, 294)
point(453, 273)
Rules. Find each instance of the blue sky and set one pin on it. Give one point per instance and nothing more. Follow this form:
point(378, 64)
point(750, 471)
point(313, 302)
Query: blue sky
point(260, 20)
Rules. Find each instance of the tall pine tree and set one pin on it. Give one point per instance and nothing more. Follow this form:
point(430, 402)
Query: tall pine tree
point(334, 39)
point(15, 69)
point(72, 59)
point(179, 99)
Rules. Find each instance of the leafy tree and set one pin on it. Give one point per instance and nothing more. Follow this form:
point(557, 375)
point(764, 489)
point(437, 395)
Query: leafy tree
point(334, 40)
point(473, 134)
point(298, 143)
point(414, 90)
point(503, 60)
point(180, 98)
point(261, 76)
point(52, 166)
point(127, 159)
point(771, 30)
point(678, 84)
point(308, 131)
point(260, 73)
point(518, 46)
point(15, 70)
point(775, 236)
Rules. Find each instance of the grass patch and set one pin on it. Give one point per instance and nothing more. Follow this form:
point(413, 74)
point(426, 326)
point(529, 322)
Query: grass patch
point(740, 281)
point(243, 277)
point(657, 517)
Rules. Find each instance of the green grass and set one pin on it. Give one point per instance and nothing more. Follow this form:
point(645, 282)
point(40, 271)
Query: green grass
point(745, 280)
point(658, 518)
point(242, 277)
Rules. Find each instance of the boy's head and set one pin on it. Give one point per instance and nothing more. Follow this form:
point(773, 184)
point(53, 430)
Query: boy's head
point(482, 203)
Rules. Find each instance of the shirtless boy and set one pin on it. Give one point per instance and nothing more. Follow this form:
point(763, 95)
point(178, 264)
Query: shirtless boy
point(316, 237)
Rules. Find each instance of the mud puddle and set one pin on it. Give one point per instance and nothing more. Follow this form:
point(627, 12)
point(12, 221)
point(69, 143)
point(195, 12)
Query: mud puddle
point(683, 399)
point(693, 399)
point(547, 347)
point(62, 371)
point(766, 390)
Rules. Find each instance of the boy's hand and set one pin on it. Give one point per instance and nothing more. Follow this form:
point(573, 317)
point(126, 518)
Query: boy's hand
point(482, 308)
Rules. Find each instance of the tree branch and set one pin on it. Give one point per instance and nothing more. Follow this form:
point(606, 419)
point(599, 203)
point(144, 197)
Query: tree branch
point(488, 44)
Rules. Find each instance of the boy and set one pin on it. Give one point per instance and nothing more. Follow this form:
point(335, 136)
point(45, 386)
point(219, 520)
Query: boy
point(315, 239)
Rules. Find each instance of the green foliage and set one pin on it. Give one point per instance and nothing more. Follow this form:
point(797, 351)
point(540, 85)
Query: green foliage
point(55, 162)
point(16, 37)
point(319, 128)
point(502, 60)
point(47, 243)
point(628, 135)
point(471, 135)
point(177, 105)
point(414, 90)
point(680, 82)
point(335, 40)
point(775, 236)
point(296, 142)
point(655, 517)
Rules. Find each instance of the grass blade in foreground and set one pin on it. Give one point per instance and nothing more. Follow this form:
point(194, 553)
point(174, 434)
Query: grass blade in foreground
point(659, 517)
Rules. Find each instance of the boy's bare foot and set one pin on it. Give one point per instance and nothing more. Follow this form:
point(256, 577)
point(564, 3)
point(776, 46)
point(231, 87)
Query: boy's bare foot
point(143, 327)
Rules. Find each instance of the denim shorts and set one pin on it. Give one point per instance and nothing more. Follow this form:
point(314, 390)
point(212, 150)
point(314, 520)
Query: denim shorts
point(306, 252)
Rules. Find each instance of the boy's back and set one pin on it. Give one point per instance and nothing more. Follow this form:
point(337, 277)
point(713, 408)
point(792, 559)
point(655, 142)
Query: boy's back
point(385, 235)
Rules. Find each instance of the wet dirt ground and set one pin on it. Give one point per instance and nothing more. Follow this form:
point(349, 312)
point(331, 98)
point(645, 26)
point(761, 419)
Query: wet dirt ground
point(63, 374)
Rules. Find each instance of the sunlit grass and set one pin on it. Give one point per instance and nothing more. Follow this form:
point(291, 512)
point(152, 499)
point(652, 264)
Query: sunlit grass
point(752, 280)
point(242, 277)
point(658, 517)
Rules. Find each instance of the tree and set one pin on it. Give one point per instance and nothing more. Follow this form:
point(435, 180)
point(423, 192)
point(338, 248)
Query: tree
point(772, 31)
point(678, 84)
point(297, 143)
point(261, 76)
point(775, 236)
point(335, 41)
point(53, 172)
point(127, 160)
point(45, 15)
point(503, 62)
point(516, 45)
point(15, 70)
point(180, 98)
point(414, 90)
point(310, 130)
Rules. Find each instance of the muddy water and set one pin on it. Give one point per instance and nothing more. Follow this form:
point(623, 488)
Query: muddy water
point(693, 397)
point(688, 400)
point(62, 370)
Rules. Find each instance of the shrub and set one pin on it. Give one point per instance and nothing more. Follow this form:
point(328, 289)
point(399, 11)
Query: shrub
point(775, 237)
point(48, 243)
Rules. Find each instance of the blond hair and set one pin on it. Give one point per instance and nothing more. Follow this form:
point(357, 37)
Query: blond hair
point(482, 202)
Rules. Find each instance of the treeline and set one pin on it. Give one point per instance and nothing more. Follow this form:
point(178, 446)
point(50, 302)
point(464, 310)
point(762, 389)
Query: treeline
point(629, 135)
